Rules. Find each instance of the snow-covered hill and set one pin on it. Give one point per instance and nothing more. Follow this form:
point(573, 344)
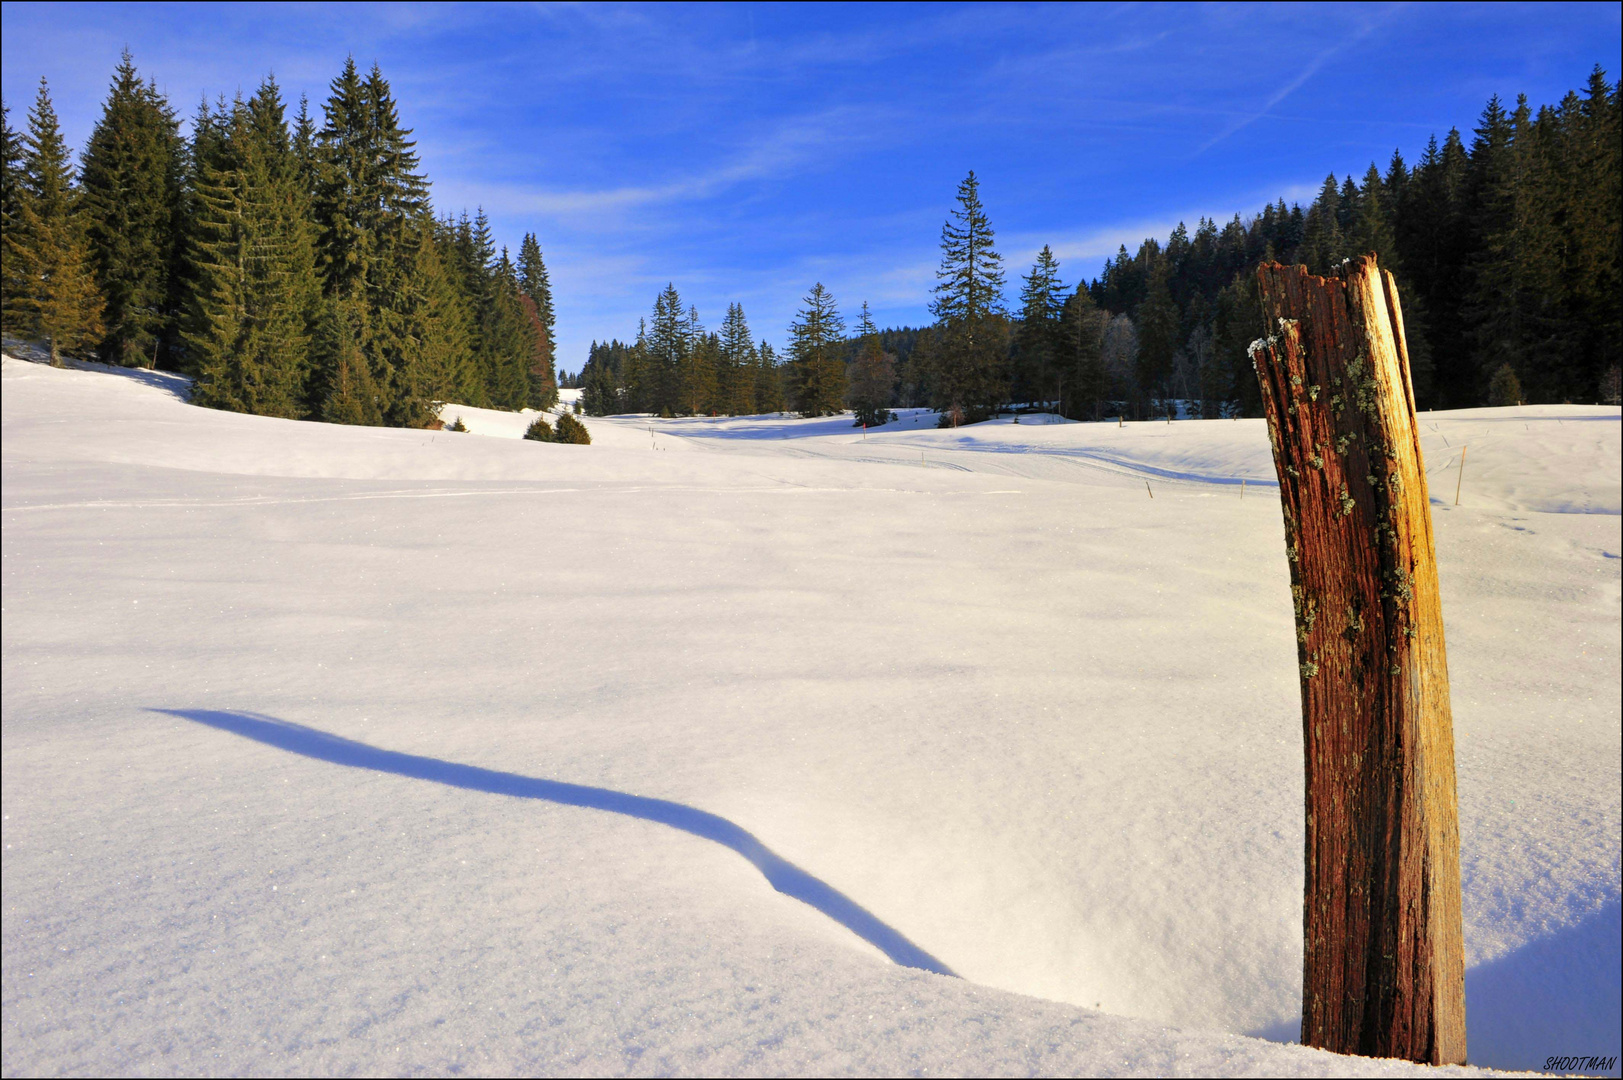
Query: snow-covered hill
point(359, 750)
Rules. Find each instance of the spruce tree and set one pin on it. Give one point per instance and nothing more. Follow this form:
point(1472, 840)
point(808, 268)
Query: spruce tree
point(1372, 222)
point(253, 292)
point(817, 372)
point(11, 171)
point(369, 205)
point(873, 376)
point(130, 186)
point(572, 431)
point(967, 376)
point(1079, 357)
point(738, 362)
point(535, 285)
point(769, 389)
point(696, 371)
point(51, 290)
point(1042, 301)
point(1158, 326)
point(1323, 243)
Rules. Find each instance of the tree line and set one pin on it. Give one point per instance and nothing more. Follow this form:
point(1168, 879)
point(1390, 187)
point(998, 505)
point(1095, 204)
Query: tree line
point(293, 269)
point(675, 367)
point(1506, 252)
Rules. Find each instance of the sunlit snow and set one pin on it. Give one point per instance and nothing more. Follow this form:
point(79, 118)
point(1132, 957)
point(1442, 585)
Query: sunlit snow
point(338, 749)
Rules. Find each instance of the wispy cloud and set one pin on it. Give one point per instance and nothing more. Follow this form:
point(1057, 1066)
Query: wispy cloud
point(1313, 67)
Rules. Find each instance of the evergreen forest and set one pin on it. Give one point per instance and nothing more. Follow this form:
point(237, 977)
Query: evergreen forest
point(1506, 249)
point(294, 266)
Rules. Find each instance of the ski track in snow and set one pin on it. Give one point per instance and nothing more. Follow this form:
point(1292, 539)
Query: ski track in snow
point(353, 750)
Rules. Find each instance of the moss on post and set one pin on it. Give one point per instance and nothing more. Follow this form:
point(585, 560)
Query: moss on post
point(1383, 963)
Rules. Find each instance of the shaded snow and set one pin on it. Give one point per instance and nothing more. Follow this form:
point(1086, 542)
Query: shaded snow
point(343, 749)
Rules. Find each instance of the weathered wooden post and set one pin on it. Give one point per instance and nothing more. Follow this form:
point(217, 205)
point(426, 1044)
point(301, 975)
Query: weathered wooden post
point(1383, 968)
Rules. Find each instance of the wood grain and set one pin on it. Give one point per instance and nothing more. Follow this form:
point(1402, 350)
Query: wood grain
point(1383, 963)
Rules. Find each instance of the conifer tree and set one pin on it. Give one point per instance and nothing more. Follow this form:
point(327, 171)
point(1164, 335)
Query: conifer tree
point(130, 186)
point(664, 351)
point(873, 376)
point(368, 206)
point(696, 372)
point(51, 290)
point(769, 389)
point(570, 430)
point(1158, 326)
point(11, 168)
point(817, 372)
point(1079, 356)
point(352, 396)
point(1042, 301)
point(1372, 224)
point(1323, 244)
point(253, 291)
point(738, 362)
point(537, 288)
point(967, 377)
point(436, 362)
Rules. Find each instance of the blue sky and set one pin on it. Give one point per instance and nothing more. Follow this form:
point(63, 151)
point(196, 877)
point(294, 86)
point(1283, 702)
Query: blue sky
point(747, 152)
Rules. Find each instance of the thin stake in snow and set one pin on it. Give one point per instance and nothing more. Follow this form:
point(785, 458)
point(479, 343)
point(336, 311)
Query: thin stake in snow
point(1147, 488)
point(1383, 971)
point(1242, 489)
point(1459, 482)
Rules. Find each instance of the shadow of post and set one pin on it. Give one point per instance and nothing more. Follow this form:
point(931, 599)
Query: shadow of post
point(781, 874)
point(1557, 996)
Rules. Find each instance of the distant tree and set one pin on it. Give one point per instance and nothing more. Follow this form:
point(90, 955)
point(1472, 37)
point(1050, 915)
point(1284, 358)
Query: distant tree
point(1158, 325)
point(816, 370)
point(696, 371)
point(50, 283)
point(736, 371)
point(873, 377)
point(1504, 388)
point(1042, 301)
point(540, 431)
point(537, 289)
point(769, 379)
point(1079, 357)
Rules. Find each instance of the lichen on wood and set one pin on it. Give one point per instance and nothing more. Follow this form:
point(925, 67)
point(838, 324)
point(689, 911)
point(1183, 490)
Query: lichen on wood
point(1383, 964)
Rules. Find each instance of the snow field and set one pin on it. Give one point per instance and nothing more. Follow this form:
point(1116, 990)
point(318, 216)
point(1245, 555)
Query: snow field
point(1037, 722)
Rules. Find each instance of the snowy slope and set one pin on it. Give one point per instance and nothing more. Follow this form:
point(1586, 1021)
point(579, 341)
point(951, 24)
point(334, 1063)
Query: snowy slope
point(337, 749)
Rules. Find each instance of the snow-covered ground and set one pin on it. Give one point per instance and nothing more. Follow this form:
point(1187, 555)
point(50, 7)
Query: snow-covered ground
point(357, 750)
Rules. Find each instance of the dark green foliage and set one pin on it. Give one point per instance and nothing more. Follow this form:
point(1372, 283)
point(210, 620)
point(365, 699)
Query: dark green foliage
point(540, 431)
point(769, 380)
point(50, 288)
point(536, 289)
point(1035, 372)
point(457, 425)
point(872, 383)
point(736, 374)
point(816, 369)
point(1503, 388)
point(573, 431)
point(966, 365)
point(1079, 372)
point(130, 190)
point(251, 288)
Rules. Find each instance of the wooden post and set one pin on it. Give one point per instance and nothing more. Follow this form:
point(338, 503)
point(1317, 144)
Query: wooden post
point(1383, 967)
